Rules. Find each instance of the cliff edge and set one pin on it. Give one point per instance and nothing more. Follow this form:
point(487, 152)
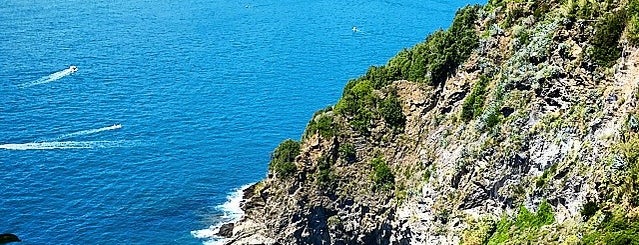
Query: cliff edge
point(516, 125)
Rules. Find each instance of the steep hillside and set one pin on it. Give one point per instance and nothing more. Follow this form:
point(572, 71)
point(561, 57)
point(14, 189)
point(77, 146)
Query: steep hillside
point(518, 124)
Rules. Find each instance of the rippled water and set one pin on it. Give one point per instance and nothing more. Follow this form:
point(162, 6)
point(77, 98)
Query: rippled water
point(202, 91)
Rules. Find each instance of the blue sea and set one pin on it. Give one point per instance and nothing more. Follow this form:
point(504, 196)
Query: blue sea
point(174, 106)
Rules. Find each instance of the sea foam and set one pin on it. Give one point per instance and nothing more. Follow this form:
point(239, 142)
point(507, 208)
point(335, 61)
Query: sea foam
point(231, 212)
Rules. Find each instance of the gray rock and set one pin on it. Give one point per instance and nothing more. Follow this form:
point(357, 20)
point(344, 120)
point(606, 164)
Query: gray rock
point(226, 230)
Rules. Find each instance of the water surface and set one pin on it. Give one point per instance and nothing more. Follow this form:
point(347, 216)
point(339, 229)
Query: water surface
point(202, 91)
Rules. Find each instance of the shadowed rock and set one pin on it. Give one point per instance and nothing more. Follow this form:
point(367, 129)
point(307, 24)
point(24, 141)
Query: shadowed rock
point(226, 230)
point(7, 238)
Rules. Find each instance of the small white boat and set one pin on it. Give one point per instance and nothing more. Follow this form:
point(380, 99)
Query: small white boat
point(73, 68)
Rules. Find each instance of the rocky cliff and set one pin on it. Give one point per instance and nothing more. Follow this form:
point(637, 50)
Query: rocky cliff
point(518, 124)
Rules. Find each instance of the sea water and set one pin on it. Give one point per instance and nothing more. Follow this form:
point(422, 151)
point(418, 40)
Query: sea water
point(175, 105)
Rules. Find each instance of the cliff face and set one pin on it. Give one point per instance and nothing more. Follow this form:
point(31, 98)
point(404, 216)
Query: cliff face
point(516, 125)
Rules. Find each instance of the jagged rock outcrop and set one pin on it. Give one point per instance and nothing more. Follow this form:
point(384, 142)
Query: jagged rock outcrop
point(535, 117)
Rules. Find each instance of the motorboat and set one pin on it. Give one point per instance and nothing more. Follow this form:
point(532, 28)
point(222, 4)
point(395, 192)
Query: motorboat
point(73, 68)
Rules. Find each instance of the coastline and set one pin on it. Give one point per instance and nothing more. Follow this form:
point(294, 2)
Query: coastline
point(233, 212)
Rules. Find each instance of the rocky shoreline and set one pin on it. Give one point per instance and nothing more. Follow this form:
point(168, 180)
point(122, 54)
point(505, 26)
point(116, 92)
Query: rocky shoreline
point(244, 230)
point(529, 135)
point(226, 229)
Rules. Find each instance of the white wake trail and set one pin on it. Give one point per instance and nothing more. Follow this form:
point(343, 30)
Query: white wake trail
point(47, 79)
point(66, 145)
point(87, 132)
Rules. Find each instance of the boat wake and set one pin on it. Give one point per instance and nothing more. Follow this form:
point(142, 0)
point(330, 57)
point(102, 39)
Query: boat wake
point(231, 213)
point(87, 132)
point(56, 143)
point(50, 78)
point(357, 30)
point(67, 145)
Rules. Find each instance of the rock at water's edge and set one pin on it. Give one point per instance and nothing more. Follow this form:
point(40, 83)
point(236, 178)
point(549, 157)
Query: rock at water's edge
point(7, 238)
point(226, 230)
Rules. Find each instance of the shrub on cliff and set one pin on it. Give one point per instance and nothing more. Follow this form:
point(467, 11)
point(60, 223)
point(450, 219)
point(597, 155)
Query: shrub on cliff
point(463, 35)
point(283, 158)
point(588, 210)
point(444, 51)
point(391, 111)
point(616, 229)
point(358, 102)
point(383, 75)
point(633, 29)
point(524, 227)
point(325, 177)
point(434, 60)
point(382, 176)
point(627, 183)
point(474, 103)
point(347, 152)
point(632, 10)
point(322, 123)
point(605, 50)
point(581, 9)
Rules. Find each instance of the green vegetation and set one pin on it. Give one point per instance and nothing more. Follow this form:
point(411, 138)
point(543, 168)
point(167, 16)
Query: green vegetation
point(347, 152)
point(604, 43)
point(283, 158)
point(491, 118)
point(478, 233)
point(358, 102)
point(524, 227)
point(434, 60)
point(541, 8)
point(362, 105)
point(391, 111)
point(474, 103)
point(582, 9)
point(609, 27)
point(633, 21)
point(525, 67)
point(517, 9)
point(502, 231)
point(589, 209)
point(612, 18)
point(400, 193)
point(523, 35)
point(620, 226)
point(322, 123)
point(325, 177)
point(616, 229)
point(382, 175)
point(589, 9)
point(427, 174)
point(496, 3)
point(543, 179)
point(633, 29)
point(628, 185)
point(492, 115)
point(443, 215)
point(452, 47)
